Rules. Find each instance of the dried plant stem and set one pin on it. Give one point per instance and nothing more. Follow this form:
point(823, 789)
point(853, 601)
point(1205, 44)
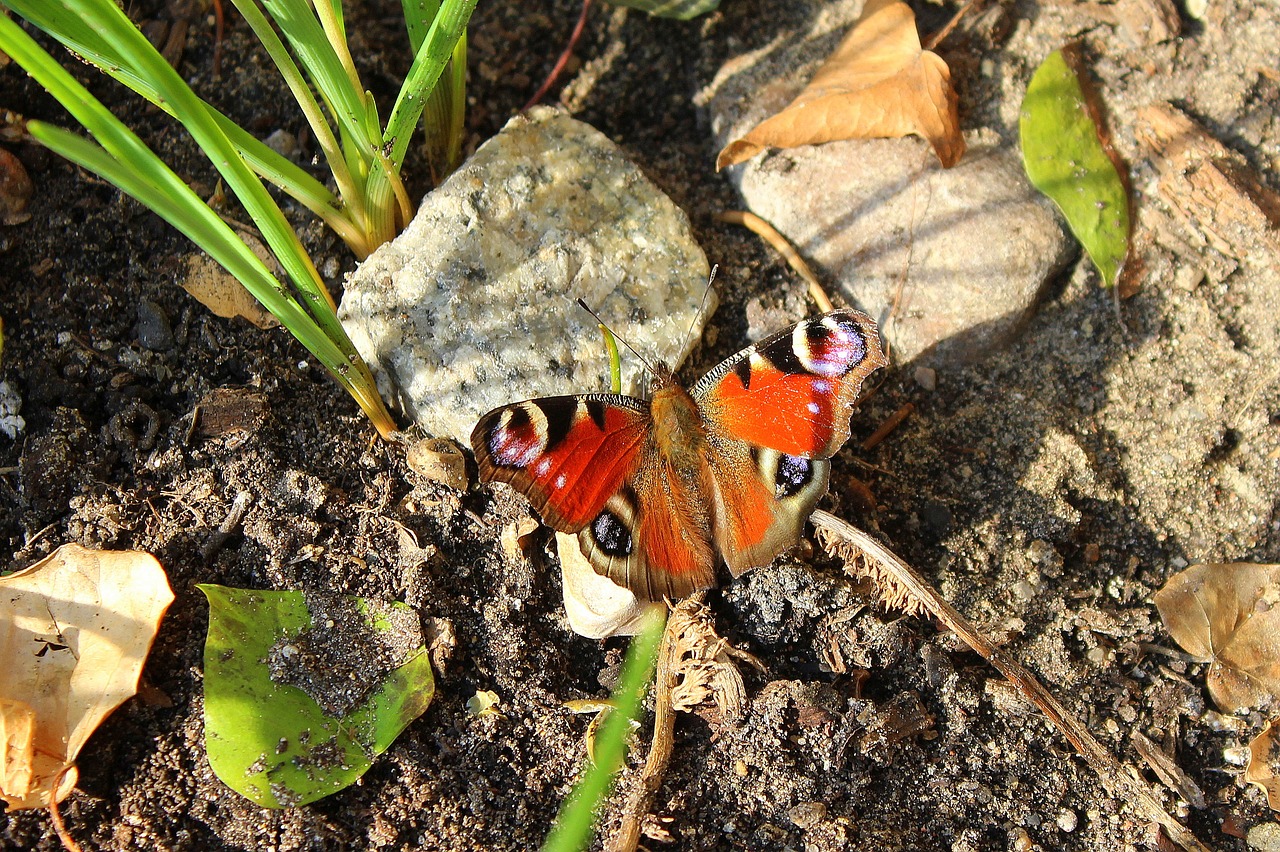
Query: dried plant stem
point(769, 234)
point(563, 61)
point(59, 827)
point(1121, 781)
point(641, 796)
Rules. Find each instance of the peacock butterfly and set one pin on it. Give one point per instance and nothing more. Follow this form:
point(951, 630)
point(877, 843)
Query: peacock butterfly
point(661, 491)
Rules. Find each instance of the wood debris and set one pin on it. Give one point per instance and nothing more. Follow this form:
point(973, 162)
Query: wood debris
point(1210, 188)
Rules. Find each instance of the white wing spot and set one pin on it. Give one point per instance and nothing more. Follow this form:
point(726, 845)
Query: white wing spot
point(560, 481)
point(814, 408)
point(543, 467)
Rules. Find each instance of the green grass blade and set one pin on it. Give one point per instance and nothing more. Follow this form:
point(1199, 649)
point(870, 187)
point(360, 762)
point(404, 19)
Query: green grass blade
point(328, 71)
point(191, 216)
point(349, 181)
point(124, 158)
point(69, 28)
point(436, 50)
point(445, 114)
point(418, 15)
point(1065, 159)
point(576, 823)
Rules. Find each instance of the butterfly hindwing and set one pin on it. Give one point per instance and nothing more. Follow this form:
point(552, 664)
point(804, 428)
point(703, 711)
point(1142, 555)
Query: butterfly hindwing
point(567, 454)
point(793, 392)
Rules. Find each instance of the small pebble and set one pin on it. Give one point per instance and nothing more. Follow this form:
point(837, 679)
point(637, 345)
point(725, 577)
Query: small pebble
point(1067, 820)
point(1264, 837)
point(283, 143)
point(926, 377)
point(807, 814)
point(154, 331)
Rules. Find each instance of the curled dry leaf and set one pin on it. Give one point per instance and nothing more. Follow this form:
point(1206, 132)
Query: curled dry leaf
point(1226, 614)
point(438, 460)
point(74, 632)
point(879, 83)
point(703, 663)
point(596, 606)
point(15, 190)
point(1264, 762)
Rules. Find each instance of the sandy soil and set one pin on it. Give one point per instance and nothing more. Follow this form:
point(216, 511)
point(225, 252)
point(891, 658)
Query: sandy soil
point(1047, 490)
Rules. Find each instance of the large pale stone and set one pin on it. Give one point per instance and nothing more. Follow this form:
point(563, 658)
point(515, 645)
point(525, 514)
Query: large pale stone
point(949, 258)
point(473, 305)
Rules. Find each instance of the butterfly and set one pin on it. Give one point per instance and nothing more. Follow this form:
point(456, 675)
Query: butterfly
point(661, 491)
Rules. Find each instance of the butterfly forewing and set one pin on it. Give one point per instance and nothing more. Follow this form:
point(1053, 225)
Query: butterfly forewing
point(567, 454)
point(792, 392)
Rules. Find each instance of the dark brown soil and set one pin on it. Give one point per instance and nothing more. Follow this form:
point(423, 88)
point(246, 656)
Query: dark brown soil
point(964, 492)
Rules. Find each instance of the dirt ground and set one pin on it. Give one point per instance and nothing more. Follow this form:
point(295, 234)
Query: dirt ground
point(1047, 489)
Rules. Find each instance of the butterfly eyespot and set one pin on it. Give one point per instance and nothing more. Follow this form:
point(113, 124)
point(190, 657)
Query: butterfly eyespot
point(831, 346)
point(792, 475)
point(520, 436)
point(611, 535)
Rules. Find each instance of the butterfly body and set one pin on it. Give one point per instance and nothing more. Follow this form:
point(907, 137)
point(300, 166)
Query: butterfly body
point(660, 492)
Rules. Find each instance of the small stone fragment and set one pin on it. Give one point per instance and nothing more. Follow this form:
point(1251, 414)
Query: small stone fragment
point(926, 377)
point(1264, 837)
point(472, 306)
point(11, 422)
point(439, 460)
point(154, 331)
point(807, 814)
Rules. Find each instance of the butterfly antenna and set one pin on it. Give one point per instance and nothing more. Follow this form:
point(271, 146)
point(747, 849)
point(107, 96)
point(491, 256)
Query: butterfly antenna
point(702, 306)
point(582, 304)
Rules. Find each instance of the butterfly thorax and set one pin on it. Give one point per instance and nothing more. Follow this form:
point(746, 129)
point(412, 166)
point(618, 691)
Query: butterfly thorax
point(678, 429)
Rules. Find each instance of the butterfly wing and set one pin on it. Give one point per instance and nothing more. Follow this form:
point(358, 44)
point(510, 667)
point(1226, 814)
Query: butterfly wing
point(773, 413)
point(567, 454)
point(589, 466)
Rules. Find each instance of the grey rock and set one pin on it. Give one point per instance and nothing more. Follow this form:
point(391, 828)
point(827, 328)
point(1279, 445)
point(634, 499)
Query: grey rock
point(472, 306)
point(950, 261)
point(154, 331)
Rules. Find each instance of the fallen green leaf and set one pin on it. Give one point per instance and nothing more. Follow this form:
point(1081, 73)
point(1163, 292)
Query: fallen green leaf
point(303, 691)
point(1065, 159)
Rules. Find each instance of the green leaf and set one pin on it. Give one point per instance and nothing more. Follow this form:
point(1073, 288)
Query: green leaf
point(303, 691)
point(1066, 160)
point(681, 10)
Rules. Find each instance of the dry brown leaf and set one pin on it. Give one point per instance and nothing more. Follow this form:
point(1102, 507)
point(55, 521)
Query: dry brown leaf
point(1264, 761)
point(1227, 614)
point(220, 291)
point(879, 83)
point(75, 629)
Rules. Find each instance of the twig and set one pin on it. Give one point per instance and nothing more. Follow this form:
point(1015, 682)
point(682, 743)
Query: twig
point(769, 234)
point(937, 37)
point(219, 30)
point(1121, 781)
point(664, 723)
point(564, 58)
point(894, 421)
